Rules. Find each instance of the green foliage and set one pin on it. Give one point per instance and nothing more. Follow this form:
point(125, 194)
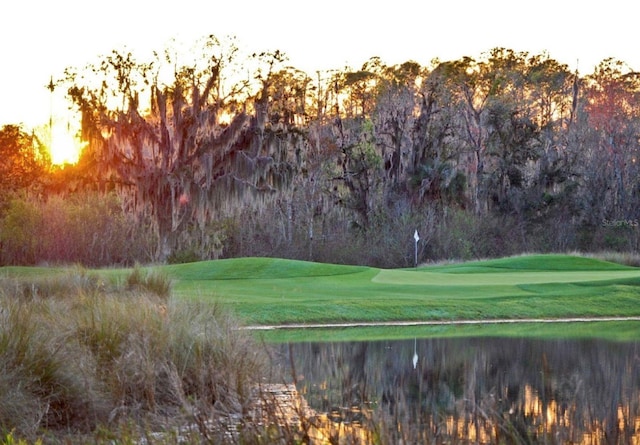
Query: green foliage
point(439, 182)
point(90, 229)
point(359, 170)
point(514, 152)
point(9, 439)
point(499, 133)
point(180, 256)
point(19, 230)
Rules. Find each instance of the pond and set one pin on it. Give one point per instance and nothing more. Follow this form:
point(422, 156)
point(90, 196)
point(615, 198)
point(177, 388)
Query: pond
point(472, 390)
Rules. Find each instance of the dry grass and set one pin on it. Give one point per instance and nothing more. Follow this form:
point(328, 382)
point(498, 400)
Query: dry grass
point(78, 356)
point(149, 281)
point(626, 258)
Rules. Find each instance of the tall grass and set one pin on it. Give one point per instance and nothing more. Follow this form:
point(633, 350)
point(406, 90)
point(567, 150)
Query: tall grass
point(149, 281)
point(626, 258)
point(79, 354)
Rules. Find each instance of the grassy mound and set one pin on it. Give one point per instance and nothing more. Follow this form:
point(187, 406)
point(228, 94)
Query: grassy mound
point(256, 268)
point(533, 263)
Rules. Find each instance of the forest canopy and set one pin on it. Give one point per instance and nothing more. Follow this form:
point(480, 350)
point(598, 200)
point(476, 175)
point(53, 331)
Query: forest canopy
point(240, 156)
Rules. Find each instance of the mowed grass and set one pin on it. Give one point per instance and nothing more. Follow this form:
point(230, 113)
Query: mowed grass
point(271, 291)
point(264, 291)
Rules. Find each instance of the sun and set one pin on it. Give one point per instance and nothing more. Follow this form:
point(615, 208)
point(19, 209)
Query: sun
point(64, 146)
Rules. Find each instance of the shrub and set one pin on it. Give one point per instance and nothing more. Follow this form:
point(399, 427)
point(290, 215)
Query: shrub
point(149, 281)
point(183, 256)
point(91, 229)
point(18, 232)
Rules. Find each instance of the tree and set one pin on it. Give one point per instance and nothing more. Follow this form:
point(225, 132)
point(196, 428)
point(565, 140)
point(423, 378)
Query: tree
point(613, 107)
point(194, 150)
point(356, 90)
point(359, 168)
point(287, 90)
point(550, 92)
point(23, 160)
point(433, 124)
point(491, 113)
point(512, 141)
point(552, 101)
point(470, 87)
point(394, 118)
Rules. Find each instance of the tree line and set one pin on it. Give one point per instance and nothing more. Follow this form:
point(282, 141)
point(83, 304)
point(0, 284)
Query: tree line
point(245, 155)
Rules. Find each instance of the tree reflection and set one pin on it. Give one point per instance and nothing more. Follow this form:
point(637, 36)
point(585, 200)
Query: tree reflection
point(478, 390)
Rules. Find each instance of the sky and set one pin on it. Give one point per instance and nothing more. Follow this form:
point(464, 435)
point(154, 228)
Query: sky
point(40, 38)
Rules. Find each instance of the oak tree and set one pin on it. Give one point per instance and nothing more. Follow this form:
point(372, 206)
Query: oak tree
point(183, 142)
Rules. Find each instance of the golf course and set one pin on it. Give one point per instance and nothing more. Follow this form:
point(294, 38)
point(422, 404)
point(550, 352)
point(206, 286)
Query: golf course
point(320, 300)
point(278, 292)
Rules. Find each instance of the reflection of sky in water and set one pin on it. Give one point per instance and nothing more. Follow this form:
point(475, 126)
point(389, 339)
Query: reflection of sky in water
point(477, 389)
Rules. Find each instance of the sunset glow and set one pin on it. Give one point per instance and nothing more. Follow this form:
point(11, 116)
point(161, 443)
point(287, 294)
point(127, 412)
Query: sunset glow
point(64, 147)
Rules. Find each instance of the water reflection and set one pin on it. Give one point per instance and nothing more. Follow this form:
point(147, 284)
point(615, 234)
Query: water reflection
point(473, 390)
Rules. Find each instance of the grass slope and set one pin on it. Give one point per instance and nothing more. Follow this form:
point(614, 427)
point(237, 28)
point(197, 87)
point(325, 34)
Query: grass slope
point(257, 268)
